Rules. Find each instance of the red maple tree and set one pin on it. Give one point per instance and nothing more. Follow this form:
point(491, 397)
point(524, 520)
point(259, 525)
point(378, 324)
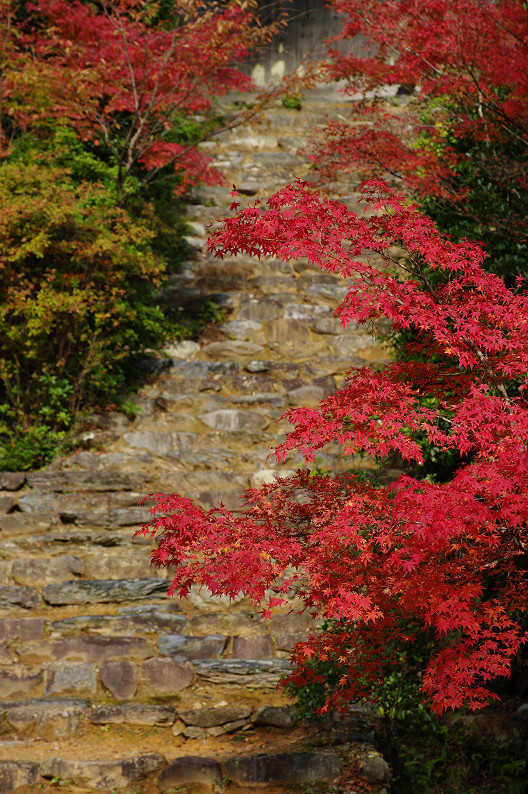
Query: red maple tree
point(129, 75)
point(465, 62)
point(383, 563)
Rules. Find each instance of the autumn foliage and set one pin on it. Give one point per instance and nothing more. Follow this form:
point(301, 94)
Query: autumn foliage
point(457, 137)
point(382, 564)
point(127, 75)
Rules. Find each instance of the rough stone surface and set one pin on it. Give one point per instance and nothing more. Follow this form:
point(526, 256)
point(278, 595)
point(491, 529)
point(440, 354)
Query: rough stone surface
point(233, 420)
point(20, 680)
point(21, 628)
point(15, 774)
point(11, 480)
point(104, 591)
point(166, 676)
point(6, 504)
point(26, 597)
point(102, 775)
point(283, 768)
point(278, 716)
point(209, 718)
point(46, 718)
point(190, 769)
point(72, 677)
point(35, 571)
point(181, 647)
point(376, 770)
point(252, 647)
point(132, 715)
point(24, 523)
point(88, 649)
point(234, 349)
point(120, 678)
point(263, 673)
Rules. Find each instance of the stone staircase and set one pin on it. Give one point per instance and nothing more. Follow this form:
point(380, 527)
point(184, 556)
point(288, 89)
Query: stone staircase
point(105, 684)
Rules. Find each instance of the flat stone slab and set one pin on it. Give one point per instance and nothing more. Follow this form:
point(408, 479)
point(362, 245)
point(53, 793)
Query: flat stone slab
point(103, 775)
point(25, 523)
point(278, 716)
point(25, 597)
point(15, 774)
point(132, 715)
point(77, 678)
point(20, 679)
point(210, 718)
point(100, 591)
point(190, 769)
point(283, 768)
point(86, 481)
point(151, 621)
point(88, 649)
point(166, 676)
point(12, 480)
point(21, 628)
point(165, 444)
point(39, 571)
point(233, 420)
point(181, 647)
point(48, 718)
point(256, 673)
point(120, 677)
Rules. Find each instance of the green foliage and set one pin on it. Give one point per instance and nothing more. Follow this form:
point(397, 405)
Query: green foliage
point(292, 102)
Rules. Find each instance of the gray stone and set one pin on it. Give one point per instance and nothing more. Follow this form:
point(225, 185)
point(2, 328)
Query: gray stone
point(6, 504)
point(192, 732)
point(327, 325)
point(235, 421)
point(283, 768)
point(190, 769)
point(334, 365)
point(306, 395)
point(264, 673)
point(209, 718)
point(182, 350)
point(233, 349)
point(104, 591)
point(151, 621)
point(305, 312)
point(330, 292)
point(26, 597)
point(278, 716)
point(25, 523)
point(88, 649)
point(189, 370)
point(47, 718)
point(74, 677)
point(108, 518)
point(37, 571)
point(21, 628)
point(166, 676)
point(258, 366)
point(134, 565)
point(244, 330)
point(15, 774)
point(102, 775)
point(132, 715)
point(11, 480)
point(376, 770)
point(165, 444)
point(85, 481)
point(120, 678)
point(252, 647)
point(181, 647)
point(19, 680)
point(265, 397)
point(231, 727)
point(259, 311)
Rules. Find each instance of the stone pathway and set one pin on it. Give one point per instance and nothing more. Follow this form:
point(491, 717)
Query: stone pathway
point(105, 683)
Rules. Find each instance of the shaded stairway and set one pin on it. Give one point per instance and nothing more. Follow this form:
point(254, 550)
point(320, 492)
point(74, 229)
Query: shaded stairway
point(103, 681)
